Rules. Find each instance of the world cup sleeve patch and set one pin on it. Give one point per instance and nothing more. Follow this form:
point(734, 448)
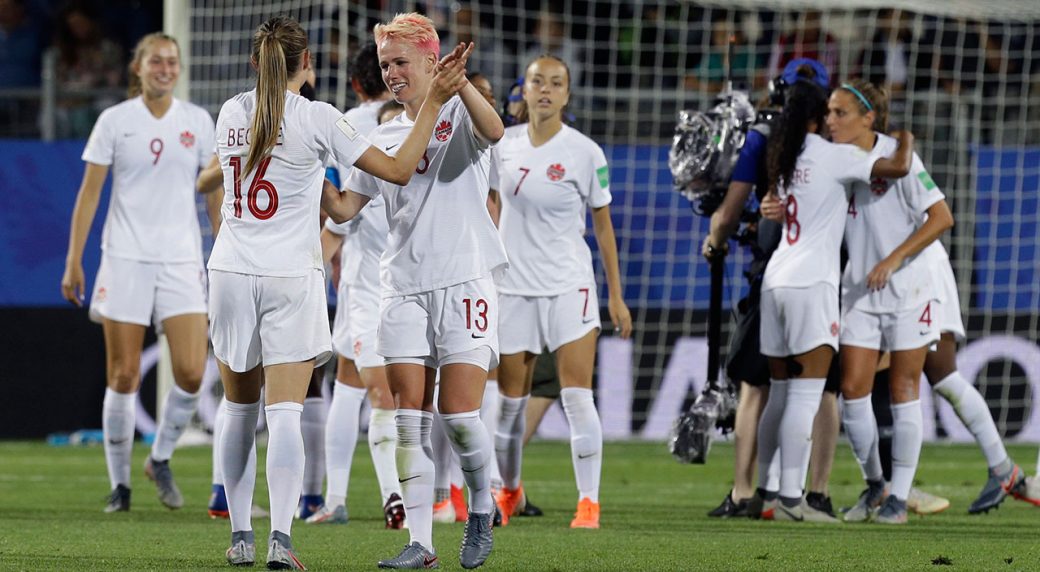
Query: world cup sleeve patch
point(926, 180)
point(343, 125)
point(604, 176)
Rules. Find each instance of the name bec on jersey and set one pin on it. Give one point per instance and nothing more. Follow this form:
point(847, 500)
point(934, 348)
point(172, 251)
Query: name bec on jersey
point(240, 137)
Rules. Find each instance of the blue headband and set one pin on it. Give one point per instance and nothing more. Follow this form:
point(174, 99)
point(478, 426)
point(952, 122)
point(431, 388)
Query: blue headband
point(859, 95)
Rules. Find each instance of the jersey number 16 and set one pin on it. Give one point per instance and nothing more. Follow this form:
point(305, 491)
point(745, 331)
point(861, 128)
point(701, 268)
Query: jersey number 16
point(258, 184)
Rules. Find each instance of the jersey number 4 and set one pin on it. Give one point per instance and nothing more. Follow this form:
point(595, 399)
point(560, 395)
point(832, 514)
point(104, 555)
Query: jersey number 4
point(258, 184)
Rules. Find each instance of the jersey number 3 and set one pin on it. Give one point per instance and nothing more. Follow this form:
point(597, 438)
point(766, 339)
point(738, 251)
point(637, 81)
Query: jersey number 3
point(258, 184)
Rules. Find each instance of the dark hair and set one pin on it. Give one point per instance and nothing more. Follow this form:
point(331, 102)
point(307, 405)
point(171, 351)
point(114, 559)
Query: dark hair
point(69, 47)
point(389, 105)
point(278, 45)
point(523, 115)
point(878, 98)
point(806, 103)
point(364, 67)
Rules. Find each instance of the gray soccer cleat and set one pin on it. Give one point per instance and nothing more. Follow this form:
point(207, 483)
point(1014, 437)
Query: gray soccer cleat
point(413, 557)
point(892, 511)
point(118, 500)
point(762, 505)
point(817, 508)
point(997, 488)
point(789, 513)
point(325, 515)
point(160, 473)
point(476, 540)
point(243, 549)
point(869, 501)
point(280, 554)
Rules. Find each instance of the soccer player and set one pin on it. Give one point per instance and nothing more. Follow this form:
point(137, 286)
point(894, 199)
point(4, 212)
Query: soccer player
point(550, 174)
point(439, 309)
point(359, 370)
point(151, 267)
point(268, 308)
point(889, 301)
point(800, 288)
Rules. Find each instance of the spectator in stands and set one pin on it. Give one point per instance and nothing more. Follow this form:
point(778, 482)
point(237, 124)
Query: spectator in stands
point(20, 46)
point(806, 40)
point(743, 61)
point(86, 60)
point(885, 61)
point(492, 58)
point(551, 35)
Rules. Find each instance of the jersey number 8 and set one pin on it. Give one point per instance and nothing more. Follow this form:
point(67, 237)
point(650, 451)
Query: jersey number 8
point(258, 184)
point(794, 228)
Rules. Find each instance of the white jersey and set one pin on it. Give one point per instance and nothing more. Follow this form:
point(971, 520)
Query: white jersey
point(271, 214)
point(546, 192)
point(441, 233)
point(882, 215)
point(154, 161)
point(937, 260)
point(816, 201)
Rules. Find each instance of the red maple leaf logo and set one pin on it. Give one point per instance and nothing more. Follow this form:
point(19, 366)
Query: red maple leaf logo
point(443, 131)
point(834, 328)
point(878, 186)
point(188, 139)
point(555, 172)
point(357, 348)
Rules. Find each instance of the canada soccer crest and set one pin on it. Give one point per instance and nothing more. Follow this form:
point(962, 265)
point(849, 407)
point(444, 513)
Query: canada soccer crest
point(188, 139)
point(101, 294)
point(357, 348)
point(878, 186)
point(555, 172)
point(443, 131)
point(834, 328)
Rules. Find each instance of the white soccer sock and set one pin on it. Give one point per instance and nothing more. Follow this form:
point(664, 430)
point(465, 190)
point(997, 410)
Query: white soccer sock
point(117, 422)
point(440, 453)
point(218, 431)
point(906, 446)
point(177, 411)
point(469, 439)
point(415, 471)
point(341, 435)
point(971, 407)
point(312, 425)
point(861, 429)
point(285, 461)
point(769, 434)
point(586, 440)
point(489, 413)
point(509, 439)
point(803, 400)
point(382, 442)
point(238, 461)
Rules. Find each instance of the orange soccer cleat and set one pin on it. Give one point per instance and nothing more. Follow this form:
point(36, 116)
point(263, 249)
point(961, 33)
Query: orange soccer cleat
point(457, 500)
point(507, 501)
point(587, 515)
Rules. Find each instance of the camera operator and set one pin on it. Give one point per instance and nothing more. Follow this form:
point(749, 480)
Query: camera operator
point(744, 362)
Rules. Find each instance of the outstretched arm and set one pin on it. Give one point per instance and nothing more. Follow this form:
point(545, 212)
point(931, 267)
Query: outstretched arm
point(341, 206)
point(898, 165)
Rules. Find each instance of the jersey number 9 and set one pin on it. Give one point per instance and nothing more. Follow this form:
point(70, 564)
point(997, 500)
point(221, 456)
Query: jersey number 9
point(258, 184)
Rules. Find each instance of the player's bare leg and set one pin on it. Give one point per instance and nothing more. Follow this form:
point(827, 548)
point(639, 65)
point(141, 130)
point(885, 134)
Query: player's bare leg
point(123, 343)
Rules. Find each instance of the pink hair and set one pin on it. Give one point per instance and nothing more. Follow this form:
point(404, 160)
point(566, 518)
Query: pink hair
point(412, 28)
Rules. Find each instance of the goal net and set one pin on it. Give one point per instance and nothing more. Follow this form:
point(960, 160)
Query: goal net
point(964, 77)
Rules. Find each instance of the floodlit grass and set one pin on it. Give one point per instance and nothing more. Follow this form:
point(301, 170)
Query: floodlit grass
point(653, 519)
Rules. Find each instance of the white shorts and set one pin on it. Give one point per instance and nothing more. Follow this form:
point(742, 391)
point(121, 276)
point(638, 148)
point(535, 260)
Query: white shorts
point(949, 315)
point(268, 319)
point(893, 331)
point(439, 323)
point(357, 321)
point(138, 292)
point(796, 320)
point(530, 323)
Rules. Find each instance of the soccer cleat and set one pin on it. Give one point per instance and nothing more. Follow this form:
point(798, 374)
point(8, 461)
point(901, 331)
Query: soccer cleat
point(1028, 491)
point(789, 513)
point(924, 503)
point(892, 511)
point(587, 515)
point(507, 501)
point(218, 503)
point(477, 540)
point(867, 504)
point(118, 500)
point(818, 508)
point(393, 512)
point(325, 515)
point(413, 557)
point(527, 508)
point(280, 554)
point(459, 502)
point(309, 504)
point(997, 487)
point(243, 549)
point(730, 508)
point(443, 511)
point(160, 473)
point(762, 504)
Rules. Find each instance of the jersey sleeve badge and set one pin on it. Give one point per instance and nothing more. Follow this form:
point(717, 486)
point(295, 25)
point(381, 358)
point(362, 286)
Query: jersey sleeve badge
point(346, 128)
point(604, 176)
point(926, 180)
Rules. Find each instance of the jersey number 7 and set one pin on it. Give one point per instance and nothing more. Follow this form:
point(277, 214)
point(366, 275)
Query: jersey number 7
point(258, 184)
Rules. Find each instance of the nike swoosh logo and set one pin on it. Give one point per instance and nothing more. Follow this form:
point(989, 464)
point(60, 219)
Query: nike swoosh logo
point(924, 333)
point(429, 561)
point(587, 321)
point(476, 337)
point(389, 147)
point(128, 134)
point(118, 441)
point(586, 456)
point(408, 479)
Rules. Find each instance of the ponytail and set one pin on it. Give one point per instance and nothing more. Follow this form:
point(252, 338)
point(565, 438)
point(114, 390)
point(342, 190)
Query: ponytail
point(806, 103)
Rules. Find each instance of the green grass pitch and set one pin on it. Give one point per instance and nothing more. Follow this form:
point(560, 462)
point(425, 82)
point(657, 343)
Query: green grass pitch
point(653, 519)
